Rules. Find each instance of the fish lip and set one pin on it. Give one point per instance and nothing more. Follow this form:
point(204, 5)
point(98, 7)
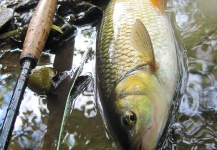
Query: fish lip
point(140, 146)
point(139, 141)
point(137, 145)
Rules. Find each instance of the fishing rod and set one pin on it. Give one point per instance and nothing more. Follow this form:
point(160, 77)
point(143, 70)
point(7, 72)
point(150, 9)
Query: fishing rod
point(37, 34)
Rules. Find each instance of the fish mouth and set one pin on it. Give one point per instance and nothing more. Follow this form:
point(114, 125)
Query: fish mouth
point(138, 143)
point(137, 146)
point(140, 146)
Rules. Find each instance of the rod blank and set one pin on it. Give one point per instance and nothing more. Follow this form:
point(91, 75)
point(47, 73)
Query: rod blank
point(14, 105)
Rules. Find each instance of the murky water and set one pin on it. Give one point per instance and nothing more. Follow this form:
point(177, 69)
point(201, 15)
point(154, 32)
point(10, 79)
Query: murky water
point(195, 105)
point(195, 20)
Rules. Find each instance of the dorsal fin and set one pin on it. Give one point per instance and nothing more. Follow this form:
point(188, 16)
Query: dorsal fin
point(160, 5)
point(140, 41)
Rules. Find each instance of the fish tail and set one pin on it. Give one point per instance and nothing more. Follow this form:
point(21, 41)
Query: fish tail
point(160, 5)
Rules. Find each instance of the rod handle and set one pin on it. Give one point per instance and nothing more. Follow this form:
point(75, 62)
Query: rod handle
point(38, 31)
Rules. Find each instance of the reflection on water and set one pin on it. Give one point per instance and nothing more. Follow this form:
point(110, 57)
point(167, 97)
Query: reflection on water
point(196, 22)
point(6, 92)
point(39, 120)
point(30, 125)
point(40, 116)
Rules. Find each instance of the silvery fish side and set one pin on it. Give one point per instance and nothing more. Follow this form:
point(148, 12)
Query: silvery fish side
point(137, 70)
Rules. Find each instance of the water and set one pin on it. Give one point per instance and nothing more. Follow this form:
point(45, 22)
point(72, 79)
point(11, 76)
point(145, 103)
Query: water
point(196, 23)
point(195, 105)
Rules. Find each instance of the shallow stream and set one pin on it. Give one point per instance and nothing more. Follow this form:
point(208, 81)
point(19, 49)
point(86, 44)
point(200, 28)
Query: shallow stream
point(194, 112)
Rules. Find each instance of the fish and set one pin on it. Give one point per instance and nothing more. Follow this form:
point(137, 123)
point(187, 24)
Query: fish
point(136, 70)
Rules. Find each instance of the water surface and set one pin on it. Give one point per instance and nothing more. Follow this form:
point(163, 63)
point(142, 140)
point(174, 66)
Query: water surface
point(193, 114)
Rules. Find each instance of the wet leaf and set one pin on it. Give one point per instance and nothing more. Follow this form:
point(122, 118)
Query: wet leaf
point(88, 14)
point(40, 79)
point(56, 28)
point(80, 85)
point(10, 33)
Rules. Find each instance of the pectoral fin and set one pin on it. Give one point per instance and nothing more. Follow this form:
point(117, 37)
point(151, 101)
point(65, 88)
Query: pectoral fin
point(141, 42)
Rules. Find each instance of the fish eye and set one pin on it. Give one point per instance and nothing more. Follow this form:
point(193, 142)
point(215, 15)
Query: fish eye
point(128, 119)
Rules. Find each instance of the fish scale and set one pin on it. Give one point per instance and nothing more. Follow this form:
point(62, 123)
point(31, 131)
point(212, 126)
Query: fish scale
point(114, 42)
point(137, 69)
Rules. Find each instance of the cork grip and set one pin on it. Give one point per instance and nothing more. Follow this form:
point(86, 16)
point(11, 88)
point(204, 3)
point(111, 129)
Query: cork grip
point(38, 31)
